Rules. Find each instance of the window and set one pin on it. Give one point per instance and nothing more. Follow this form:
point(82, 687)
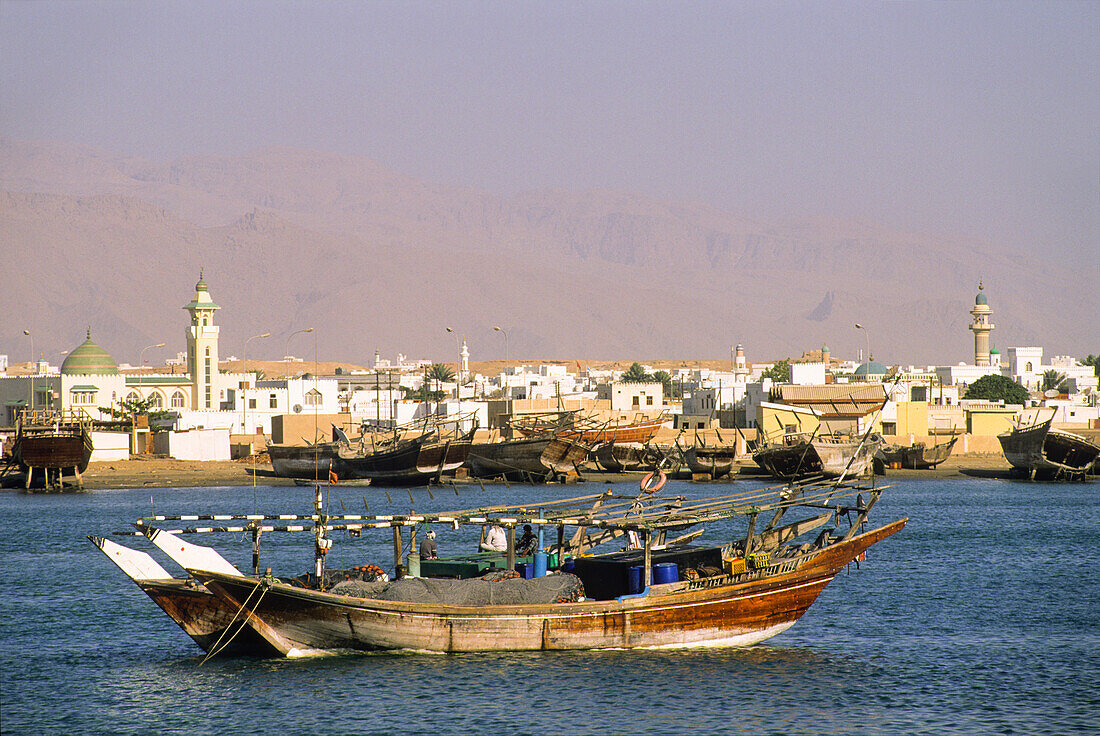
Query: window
point(273, 402)
point(1027, 366)
point(637, 401)
point(156, 401)
point(313, 398)
point(133, 396)
point(82, 396)
point(649, 401)
point(252, 403)
point(178, 400)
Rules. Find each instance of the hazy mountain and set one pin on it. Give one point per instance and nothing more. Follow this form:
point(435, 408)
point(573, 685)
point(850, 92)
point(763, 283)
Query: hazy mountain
point(375, 259)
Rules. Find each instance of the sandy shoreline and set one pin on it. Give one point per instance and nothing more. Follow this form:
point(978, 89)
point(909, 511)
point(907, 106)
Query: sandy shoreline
point(167, 473)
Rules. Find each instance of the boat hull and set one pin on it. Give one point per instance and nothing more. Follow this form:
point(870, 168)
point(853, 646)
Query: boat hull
point(303, 462)
point(1042, 451)
point(713, 461)
point(205, 618)
point(531, 458)
point(721, 611)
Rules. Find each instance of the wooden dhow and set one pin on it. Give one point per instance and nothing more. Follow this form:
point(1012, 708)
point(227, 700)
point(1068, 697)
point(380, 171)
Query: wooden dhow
point(1039, 450)
point(527, 459)
point(918, 456)
point(657, 593)
point(52, 442)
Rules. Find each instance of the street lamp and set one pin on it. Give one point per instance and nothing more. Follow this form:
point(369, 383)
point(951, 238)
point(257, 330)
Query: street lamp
point(244, 398)
point(30, 398)
point(141, 355)
point(505, 333)
point(286, 357)
point(868, 336)
point(458, 351)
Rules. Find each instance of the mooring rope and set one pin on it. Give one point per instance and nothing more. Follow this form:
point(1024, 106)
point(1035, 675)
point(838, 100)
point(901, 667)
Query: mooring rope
point(216, 649)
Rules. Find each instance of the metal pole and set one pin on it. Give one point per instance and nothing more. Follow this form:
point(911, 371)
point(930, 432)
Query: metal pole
point(286, 359)
point(34, 364)
point(244, 398)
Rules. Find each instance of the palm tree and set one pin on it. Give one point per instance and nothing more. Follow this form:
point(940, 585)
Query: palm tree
point(441, 372)
point(1052, 379)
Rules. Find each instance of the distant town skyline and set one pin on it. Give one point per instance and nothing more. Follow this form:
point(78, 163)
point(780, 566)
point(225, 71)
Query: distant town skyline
point(975, 120)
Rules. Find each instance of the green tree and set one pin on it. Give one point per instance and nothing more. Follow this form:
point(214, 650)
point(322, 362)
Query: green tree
point(665, 379)
point(997, 388)
point(780, 372)
point(1094, 361)
point(130, 408)
point(440, 372)
point(1052, 379)
point(423, 394)
point(636, 374)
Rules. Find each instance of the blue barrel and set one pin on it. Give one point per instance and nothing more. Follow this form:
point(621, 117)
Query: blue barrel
point(634, 579)
point(540, 564)
point(665, 572)
point(526, 569)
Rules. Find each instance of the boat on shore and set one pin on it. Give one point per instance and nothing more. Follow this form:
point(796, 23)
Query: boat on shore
point(572, 425)
point(806, 455)
point(655, 594)
point(412, 454)
point(530, 459)
point(917, 456)
point(1039, 450)
point(52, 442)
point(308, 462)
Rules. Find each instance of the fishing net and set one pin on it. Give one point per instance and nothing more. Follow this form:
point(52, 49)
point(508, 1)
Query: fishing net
point(493, 589)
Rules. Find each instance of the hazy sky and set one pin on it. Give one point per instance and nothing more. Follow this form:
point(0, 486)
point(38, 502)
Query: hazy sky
point(971, 119)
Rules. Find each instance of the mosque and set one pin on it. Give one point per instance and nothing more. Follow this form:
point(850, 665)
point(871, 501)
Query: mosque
point(90, 380)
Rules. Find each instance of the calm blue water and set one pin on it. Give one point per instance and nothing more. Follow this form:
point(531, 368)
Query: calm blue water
point(982, 616)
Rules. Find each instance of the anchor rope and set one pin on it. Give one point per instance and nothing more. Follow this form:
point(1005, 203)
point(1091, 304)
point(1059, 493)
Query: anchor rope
point(251, 612)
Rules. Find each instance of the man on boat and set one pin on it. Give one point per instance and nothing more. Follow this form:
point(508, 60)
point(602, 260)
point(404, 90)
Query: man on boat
point(495, 539)
point(428, 549)
point(527, 543)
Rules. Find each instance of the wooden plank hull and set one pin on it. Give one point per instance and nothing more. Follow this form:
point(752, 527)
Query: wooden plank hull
point(918, 456)
point(410, 462)
point(206, 619)
point(294, 461)
point(788, 461)
point(721, 611)
point(852, 458)
point(1041, 450)
point(713, 461)
point(530, 458)
point(54, 451)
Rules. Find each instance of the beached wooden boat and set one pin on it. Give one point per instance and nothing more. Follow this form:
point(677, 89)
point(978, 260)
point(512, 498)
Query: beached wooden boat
point(530, 459)
point(1039, 450)
point(51, 442)
point(792, 457)
point(572, 425)
point(619, 457)
point(306, 462)
point(716, 461)
point(747, 589)
point(412, 461)
point(846, 455)
point(799, 456)
point(917, 456)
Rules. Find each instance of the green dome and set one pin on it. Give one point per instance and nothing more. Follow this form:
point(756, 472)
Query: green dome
point(872, 368)
point(89, 360)
point(980, 299)
point(994, 351)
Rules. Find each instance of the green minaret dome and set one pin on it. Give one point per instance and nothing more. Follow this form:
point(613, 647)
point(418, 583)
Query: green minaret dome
point(89, 359)
point(980, 299)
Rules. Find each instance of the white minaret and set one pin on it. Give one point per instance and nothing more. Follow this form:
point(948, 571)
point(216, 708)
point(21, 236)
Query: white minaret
point(739, 361)
point(981, 327)
point(464, 372)
point(202, 348)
